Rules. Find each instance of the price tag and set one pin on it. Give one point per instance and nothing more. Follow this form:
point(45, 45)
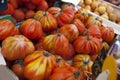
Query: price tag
point(104, 75)
point(3, 5)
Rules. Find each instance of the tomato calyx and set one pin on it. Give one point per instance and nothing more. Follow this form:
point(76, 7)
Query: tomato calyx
point(85, 63)
point(83, 14)
point(44, 14)
point(76, 74)
point(19, 62)
point(58, 60)
point(88, 38)
point(96, 18)
point(61, 11)
point(58, 34)
point(46, 54)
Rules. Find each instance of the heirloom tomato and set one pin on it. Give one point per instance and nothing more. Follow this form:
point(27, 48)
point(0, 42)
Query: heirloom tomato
point(17, 47)
point(47, 20)
point(39, 65)
point(87, 45)
point(67, 73)
point(31, 28)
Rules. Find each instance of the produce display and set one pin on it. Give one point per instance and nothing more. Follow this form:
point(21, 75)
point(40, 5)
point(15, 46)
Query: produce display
point(49, 37)
point(101, 8)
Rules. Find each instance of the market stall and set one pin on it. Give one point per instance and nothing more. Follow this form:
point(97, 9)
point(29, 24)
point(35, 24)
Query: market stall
point(59, 40)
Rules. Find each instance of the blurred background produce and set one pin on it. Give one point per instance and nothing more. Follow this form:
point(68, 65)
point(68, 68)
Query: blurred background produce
point(101, 8)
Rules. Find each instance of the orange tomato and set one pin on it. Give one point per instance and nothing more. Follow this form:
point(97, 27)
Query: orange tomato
point(18, 14)
point(83, 62)
point(14, 3)
point(7, 28)
point(39, 65)
point(67, 73)
point(29, 14)
point(17, 68)
point(43, 6)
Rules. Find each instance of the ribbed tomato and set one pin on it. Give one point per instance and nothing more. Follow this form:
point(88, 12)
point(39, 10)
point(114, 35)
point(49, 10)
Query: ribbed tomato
point(31, 28)
point(83, 62)
point(93, 20)
point(79, 25)
point(61, 62)
point(47, 20)
point(68, 54)
point(107, 34)
point(82, 14)
point(54, 11)
point(67, 73)
point(66, 16)
point(87, 45)
point(70, 31)
point(39, 65)
point(7, 28)
point(94, 30)
point(56, 43)
point(17, 47)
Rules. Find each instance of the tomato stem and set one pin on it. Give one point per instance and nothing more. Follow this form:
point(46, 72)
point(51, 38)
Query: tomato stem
point(76, 74)
point(19, 62)
point(85, 62)
point(97, 18)
point(83, 14)
point(58, 34)
point(44, 13)
point(88, 38)
point(46, 54)
point(58, 60)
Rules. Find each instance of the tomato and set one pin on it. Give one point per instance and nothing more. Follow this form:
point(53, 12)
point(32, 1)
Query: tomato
point(39, 65)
